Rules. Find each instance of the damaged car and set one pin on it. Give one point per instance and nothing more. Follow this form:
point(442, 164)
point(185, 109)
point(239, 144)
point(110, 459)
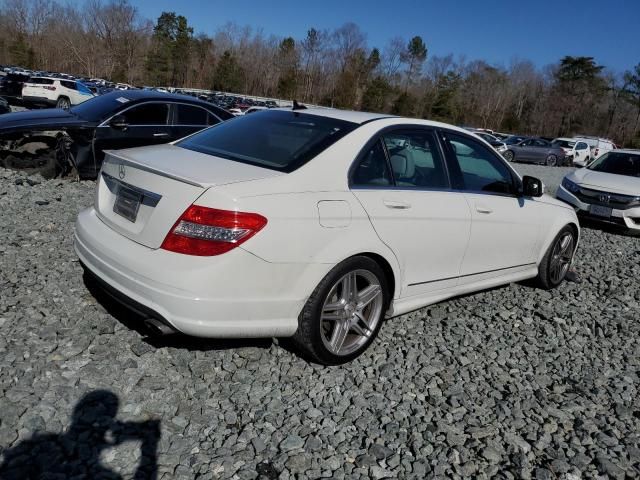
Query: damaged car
point(57, 142)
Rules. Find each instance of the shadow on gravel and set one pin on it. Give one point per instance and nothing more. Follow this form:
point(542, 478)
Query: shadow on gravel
point(76, 452)
point(604, 227)
point(134, 321)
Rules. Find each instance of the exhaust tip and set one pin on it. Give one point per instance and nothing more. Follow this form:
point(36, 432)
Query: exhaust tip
point(158, 328)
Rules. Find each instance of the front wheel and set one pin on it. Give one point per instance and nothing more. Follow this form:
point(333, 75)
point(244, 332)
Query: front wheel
point(344, 313)
point(552, 161)
point(509, 155)
point(556, 262)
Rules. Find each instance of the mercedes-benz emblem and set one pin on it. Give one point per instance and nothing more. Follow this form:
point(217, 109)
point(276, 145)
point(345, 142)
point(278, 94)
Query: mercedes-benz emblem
point(604, 198)
point(121, 172)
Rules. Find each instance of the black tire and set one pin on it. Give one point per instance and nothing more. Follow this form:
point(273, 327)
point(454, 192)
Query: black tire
point(509, 156)
point(551, 161)
point(308, 338)
point(546, 278)
point(64, 103)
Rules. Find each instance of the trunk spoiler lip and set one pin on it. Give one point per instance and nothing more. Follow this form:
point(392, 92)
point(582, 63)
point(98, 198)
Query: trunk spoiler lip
point(143, 166)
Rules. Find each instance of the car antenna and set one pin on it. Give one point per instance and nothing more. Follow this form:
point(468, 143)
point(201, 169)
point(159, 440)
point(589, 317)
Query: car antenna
point(298, 106)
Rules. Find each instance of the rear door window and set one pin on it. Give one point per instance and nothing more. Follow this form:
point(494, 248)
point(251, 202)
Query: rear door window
point(150, 114)
point(191, 115)
point(373, 168)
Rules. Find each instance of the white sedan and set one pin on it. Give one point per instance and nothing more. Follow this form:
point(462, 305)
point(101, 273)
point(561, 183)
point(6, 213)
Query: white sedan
point(316, 224)
point(608, 190)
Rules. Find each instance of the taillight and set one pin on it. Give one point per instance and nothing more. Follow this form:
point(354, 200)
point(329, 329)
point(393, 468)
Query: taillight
point(208, 231)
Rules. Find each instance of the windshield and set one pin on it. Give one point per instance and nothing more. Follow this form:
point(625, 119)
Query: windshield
point(276, 139)
point(563, 143)
point(99, 108)
point(620, 163)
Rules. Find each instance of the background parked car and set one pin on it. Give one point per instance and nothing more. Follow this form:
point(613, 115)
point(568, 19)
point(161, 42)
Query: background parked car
point(608, 190)
point(599, 146)
point(50, 91)
point(499, 145)
point(577, 150)
point(536, 150)
point(120, 119)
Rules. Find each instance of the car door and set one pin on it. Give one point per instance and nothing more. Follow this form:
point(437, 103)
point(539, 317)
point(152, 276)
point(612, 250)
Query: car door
point(402, 183)
point(525, 151)
point(188, 119)
point(144, 124)
point(504, 226)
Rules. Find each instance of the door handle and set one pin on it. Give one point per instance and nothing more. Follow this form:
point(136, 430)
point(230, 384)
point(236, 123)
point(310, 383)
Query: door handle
point(396, 204)
point(483, 209)
point(160, 134)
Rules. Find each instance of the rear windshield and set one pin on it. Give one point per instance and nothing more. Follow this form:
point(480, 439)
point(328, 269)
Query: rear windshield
point(276, 139)
point(563, 143)
point(619, 163)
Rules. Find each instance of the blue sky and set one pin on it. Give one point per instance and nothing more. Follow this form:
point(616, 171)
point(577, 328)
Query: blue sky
point(495, 30)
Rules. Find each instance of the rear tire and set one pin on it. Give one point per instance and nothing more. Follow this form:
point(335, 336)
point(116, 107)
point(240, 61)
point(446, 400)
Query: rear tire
point(551, 161)
point(557, 261)
point(344, 313)
point(64, 103)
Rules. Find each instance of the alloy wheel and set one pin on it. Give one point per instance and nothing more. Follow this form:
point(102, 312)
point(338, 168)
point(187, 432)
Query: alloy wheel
point(351, 312)
point(561, 257)
point(552, 160)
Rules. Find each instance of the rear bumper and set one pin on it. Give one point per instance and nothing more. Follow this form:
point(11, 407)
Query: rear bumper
point(38, 100)
point(629, 218)
point(229, 296)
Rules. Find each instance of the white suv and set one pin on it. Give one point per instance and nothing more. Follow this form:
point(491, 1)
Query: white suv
point(56, 92)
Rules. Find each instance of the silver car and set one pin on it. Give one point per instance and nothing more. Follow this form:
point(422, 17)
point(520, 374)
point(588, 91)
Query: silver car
point(536, 150)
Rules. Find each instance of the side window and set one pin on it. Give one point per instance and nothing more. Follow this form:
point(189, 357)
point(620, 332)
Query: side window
point(69, 85)
point(191, 115)
point(540, 143)
point(373, 169)
point(147, 114)
point(581, 146)
point(482, 171)
point(527, 143)
point(415, 159)
point(212, 119)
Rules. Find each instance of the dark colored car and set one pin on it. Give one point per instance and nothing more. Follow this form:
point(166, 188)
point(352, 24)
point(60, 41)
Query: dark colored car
point(11, 86)
point(116, 120)
point(536, 150)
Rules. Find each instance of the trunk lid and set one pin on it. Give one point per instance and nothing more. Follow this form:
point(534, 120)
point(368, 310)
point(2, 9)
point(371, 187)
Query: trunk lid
point(142, 192)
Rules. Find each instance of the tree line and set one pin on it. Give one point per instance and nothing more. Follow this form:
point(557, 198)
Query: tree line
point(110, 39)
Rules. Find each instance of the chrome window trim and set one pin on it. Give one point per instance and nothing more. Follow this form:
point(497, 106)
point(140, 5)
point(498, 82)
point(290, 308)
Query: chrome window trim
point(168, 103)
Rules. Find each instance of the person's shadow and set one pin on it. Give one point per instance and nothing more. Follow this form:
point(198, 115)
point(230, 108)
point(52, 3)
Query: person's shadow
point(76, 452)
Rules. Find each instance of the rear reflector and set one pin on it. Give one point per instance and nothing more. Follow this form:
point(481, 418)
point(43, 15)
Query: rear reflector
point(207, 232)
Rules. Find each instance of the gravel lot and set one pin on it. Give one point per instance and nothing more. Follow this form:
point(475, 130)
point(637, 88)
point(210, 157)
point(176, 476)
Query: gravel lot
point(514, 382)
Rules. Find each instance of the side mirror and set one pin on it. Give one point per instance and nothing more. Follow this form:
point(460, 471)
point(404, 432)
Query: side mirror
point(119, 122)
point(532, 187)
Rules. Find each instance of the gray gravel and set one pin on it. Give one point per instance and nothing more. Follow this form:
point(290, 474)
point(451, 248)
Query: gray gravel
point(514, 382)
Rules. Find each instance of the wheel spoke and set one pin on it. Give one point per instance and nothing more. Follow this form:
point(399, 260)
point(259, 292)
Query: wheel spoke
point(368, 295)
point(338, 336)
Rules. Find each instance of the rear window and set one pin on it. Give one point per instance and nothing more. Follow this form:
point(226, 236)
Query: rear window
point(279, 140)
point(41, 81)
point(563, 143)
point(620, 163)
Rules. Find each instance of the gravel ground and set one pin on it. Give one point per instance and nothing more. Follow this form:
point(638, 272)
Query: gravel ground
point(514, 382)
